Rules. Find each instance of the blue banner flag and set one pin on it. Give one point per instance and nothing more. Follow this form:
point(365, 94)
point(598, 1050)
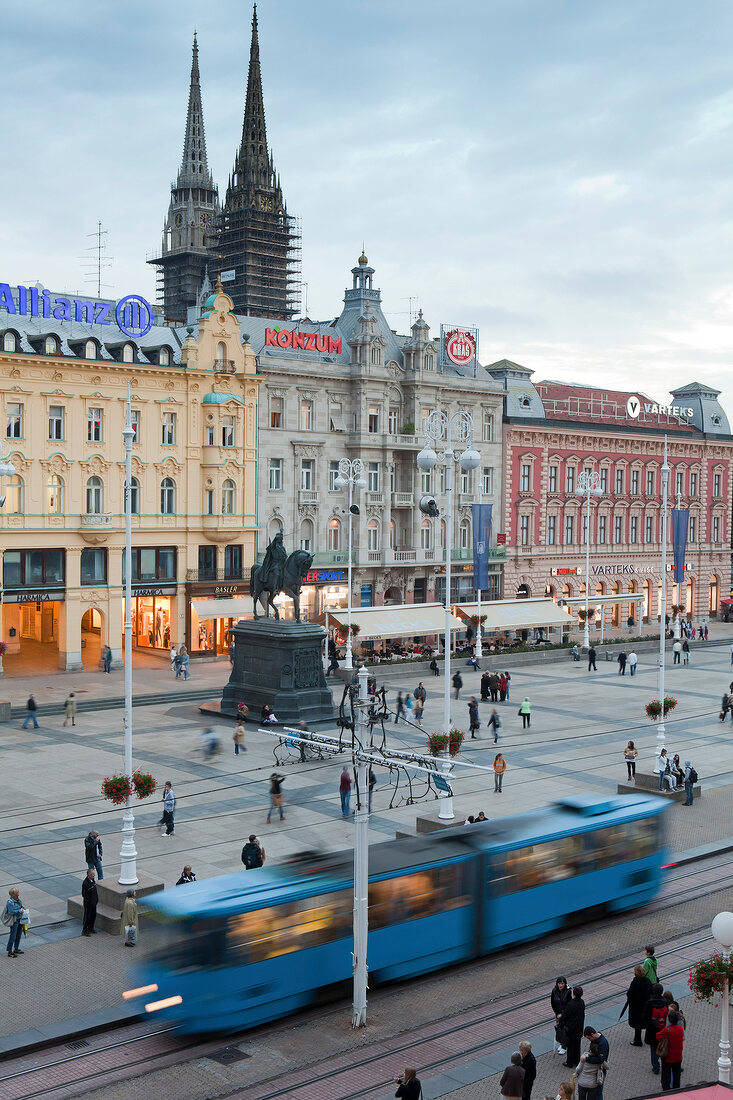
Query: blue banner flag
point(481, 515)
point(680, 523)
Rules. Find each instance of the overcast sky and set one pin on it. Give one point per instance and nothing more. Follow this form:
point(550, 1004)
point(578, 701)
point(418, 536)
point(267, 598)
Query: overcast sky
point(557, 173)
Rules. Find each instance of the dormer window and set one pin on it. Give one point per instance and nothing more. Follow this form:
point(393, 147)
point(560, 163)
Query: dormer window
point(90, 350)
point(128, 354)
point(164, 357)
point(715, 419)
point(524, 401)
point(51, 345)
point(9, 342)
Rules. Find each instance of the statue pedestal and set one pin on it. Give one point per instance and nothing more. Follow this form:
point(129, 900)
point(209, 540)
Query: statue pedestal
point(279, 663)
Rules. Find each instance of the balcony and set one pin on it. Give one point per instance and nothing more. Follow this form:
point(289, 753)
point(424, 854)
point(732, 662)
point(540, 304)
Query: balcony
point(403, 500)
point(374, 557)
point(402, 440)
point(375, 498)
point(201, 576)
point(220, 528)
point(96, 519)
point(324, 557)
point(307, 496)
point(224, 366)
point(95, 527)
point(405, 555)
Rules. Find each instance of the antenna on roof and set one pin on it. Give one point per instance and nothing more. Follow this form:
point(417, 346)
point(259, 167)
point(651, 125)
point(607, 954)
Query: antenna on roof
point(410, 298)
point(97, 259)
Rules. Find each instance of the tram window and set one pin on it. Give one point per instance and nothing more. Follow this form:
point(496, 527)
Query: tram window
point(539, 864)
point(411, 897)
point(190, 944)
point(293, 926)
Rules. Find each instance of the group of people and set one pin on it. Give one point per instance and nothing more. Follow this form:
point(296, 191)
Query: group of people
point(496, 686)
point(180, 661)
point(674, 777)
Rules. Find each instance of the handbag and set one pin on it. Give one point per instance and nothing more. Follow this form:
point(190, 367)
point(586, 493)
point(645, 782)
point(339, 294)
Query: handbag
point(519, 712)
point(662, 1047)
point(131, 933)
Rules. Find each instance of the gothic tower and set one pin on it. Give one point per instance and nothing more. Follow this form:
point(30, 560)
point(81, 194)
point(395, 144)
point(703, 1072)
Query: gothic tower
point(193, 209)
point(256, 245)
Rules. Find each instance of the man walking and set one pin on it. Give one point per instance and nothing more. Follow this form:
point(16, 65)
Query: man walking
point(93, 853)
point(592, 659)
point(345, 791)
point(400, 709)
point(457, 684)
point(107, 659)
point(420, 694)
point(622, 663)
point(90, 897)
point(70, 709)
point(494, 723)
point(253, 853)
point(602, 1043)
point(31, 708)
point(525, 710)
point(690, 781)
point(677, 651)
point(633, 660)
point(276, 795)
point(685, 652)
point(169, 805)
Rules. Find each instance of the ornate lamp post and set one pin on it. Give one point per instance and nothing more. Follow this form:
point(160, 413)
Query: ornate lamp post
point(722, 929)
point(589, 484)
point(128, 852)
point(6, 470)
point(661, 732)
point(441, 428)
point(350, 471)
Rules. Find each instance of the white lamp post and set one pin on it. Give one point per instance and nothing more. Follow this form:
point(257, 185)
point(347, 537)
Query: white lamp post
point(439, 428)
point(661, 731)
point(722, 929)
point(6, 470)
point(589, 484)
point(350, 471)
point(128, 853)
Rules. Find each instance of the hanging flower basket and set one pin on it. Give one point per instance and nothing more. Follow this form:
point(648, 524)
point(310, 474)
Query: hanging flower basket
point(437, 743)
point(456, 739)
point(676, 609)
point(707, 977)
point(3, 649)
point(669, 704)
point(117, 788)
point(476, 619)
point(355, 628)
point(654, 709)
point(143, 783)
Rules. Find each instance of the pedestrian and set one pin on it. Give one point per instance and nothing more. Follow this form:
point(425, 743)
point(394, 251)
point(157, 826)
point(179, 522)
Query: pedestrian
point(630, 755)
point(70, 709)
point(677, 651)
point(484, 687)
point(678, 773)
point(481, 816)
point(12, 919)
point(694, 633)
point(495, 723)
point(93, 852)
point(89, 897)
point(494, 687)
point(575, 652)
point(529, 1065)
point(457, 684)
point(573, 1022)
point(345, 791)
point(566, 1091)
point(559, 999)
point(633, 661)
point(253, 853)
point(654, 1019)
point(265, 714)
point(525, 710)
point(671, 1039)
point(592, 659)
point(434, 667)
point(129, 919)
point(408, 710)
point(630, 623)
point(107, 659)
point(173, 655)
point(333, 664)
point(690, 781)
point(31, 709)
point(706, 634)
point(231, 652)
point(418, 711)
point(665, 774)
point(184, 659)
point(599, 1038)
point(169, 805)
point(508, 684)
point(502, 687)
point(499, 769)
point(420, 693)
point(474, 722)
point(238, 736)
point(621, 663)
point(685, 652)
point(408, 1085)
point(276, 795)
point(589, 1073)
point(724, 706)
point(637, 995)
point(512, 1080)
point(372, 784)
point(187, 876)
point(650, 964)
point(399, 709)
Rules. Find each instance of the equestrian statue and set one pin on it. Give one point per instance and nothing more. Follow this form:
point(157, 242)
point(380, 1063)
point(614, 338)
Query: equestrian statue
point(279, 572)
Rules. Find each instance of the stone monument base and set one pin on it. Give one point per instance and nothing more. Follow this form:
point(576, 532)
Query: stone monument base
point(648, 783)
point(280, 663)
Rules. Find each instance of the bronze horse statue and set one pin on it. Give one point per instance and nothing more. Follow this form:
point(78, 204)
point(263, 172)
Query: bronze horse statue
point(296, 566)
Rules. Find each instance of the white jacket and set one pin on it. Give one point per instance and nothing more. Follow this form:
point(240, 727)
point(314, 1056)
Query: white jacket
point(662, 762)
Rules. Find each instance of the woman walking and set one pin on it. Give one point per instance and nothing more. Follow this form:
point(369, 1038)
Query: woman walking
point(276, 795)
point(630, 755)
point(502, 687)
point(499, 769)
point(474, 722)
point(238, 737)
point(129, 919)
point(525, 710)
point(559, 999)
point(637, 996)
point(12, 918)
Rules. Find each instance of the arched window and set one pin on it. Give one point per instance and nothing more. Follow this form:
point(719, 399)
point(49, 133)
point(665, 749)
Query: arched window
point(128, 354)
point(10, 342)
point(334, 534)
point(94, 496)
point(228, 490)
point(14, 495)
point(426, 534)
point(221, 355)
point(464, 534)
point(55, 495)
point(372, 535)
point(51, 345)
point(276, 527)
point(164, 357)
point(90, 350)
point(306, 535)
point(167, 497)
point(134, 497)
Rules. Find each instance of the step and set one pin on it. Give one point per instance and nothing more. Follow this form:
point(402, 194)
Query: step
point(114, 702)
point(108, 920)
point(672, 796)
point(112, 894)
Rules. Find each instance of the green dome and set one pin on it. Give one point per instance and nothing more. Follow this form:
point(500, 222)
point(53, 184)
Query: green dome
point(220, 398)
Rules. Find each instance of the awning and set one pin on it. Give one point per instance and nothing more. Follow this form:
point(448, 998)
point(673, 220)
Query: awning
point(604, 601)
point(397, 621)
point(715, 1090)
point(238, 607)
point(517, 614)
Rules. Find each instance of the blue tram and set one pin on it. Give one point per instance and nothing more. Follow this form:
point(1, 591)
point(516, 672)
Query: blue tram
point(249, 947)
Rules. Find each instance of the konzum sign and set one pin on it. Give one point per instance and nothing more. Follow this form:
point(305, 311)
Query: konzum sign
point(302, 341)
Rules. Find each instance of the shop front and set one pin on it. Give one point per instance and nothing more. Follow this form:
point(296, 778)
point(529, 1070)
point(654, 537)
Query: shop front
point(212, 611)
point(323, 591)
point(31, 620)
point(152, 608)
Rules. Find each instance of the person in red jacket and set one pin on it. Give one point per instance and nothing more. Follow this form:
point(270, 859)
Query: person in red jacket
point(674, 1033)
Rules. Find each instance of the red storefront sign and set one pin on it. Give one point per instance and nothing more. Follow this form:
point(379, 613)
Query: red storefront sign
point(302, 341)
point(460, 347)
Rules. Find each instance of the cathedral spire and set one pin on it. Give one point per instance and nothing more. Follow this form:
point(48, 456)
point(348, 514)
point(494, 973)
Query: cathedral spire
point(254, 162)
point(194, 166)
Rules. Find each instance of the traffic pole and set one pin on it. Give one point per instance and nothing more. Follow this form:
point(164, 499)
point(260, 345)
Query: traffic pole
point(361, 865)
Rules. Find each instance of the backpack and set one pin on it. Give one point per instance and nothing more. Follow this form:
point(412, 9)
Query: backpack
point(251, 856)
point(693, 776)
point(6, 916)
point(659, 1017)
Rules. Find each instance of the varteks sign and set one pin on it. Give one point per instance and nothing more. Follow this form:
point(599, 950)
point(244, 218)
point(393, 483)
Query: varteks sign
point(301, 341)
point(133, 314)
point(635, 406)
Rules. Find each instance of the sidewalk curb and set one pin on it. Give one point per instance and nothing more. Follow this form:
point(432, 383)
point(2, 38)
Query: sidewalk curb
point(113, 702)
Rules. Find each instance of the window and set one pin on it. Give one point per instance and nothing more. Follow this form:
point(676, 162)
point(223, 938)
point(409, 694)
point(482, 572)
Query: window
point(650, 483)
point(169, 429)
point(14, 429)
point(619, 481)
point(693, 483)
point(94, 425)
point(568, 530)
point(306, 536)
point(524, 477)
point(442, 534)
point(164, 357)
point(135, 421)
point(333, 473)
point(128, 354)
point(693, 528)
point(94, 496)
point(372, 535)
point(464, 535)
point(10, 342)
point(618, 530)
point(376, 356)
point(207, 563)
point(334, 535)
point(51, 345)
point(276, 474)
point(228, 497)
point(306, 416)
point(56, 422)
point(604, 479)
point(210, 435)
point(569, 479)
point(167, 497)
point(428, 361)
point(373, 422)
point(373, 477)
point(232, 562)
point(442, 479)
point(717, 482)
point(649, 534)
point(487, 428)
point(276, 412)
point(487, 480)
point(426, 535)
point(524, 530)
point(465, 482)
point(336, 417)
point(208, 502)
point(426, 481)
point(227, 431)
point(552, 479)
point(22, 568)
point(55, 495)
point(306, 473)
point(93, 566)
point(151, 564)
point(634, 529)
point(602, 529)
point(551, 530)
point(134, 497)
point(716, 529)
point(585, 530)
point(221, 356)
point(635, 483)
point(680, 482)
point(393, 420)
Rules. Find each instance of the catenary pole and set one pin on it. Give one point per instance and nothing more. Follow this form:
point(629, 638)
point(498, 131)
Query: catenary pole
point(361, 864)
point(661, 731)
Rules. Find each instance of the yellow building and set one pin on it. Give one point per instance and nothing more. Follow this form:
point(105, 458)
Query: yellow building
point(63, 384)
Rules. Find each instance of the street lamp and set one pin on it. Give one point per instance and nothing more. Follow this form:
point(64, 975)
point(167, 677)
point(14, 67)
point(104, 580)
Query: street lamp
point(350, 471)
point(128, 852)
point(661, 732)
point(6, 470)
point(722, 929)
point(589, 484)
point(440, 428)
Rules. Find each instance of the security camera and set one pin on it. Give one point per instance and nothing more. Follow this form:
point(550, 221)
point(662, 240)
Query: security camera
point(429, 507)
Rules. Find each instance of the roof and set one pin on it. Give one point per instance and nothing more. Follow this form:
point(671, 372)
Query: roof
point(590, 404)
point(518, 614)
point(216, 398)
point(398, 621)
